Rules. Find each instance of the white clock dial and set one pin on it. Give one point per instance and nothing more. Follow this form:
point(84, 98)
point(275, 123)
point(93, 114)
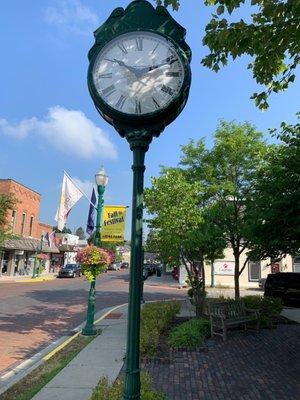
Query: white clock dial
point(138, 73)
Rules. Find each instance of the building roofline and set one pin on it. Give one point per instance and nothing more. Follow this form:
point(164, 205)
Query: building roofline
point(18, 183)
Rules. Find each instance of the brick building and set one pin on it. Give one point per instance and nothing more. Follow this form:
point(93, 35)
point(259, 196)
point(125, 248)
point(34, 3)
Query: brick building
point(17, 255)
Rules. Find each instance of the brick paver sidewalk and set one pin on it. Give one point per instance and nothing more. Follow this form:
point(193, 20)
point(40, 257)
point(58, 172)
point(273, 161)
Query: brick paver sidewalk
point(249, 366)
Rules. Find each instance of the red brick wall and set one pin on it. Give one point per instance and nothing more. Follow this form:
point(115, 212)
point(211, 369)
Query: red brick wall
point(43, 229)
point(29, 203)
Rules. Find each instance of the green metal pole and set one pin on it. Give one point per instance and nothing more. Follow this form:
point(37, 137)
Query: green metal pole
point(132, 378)
point(142, 279)
point(89, 329)
point(34, 272)
point(34, 266)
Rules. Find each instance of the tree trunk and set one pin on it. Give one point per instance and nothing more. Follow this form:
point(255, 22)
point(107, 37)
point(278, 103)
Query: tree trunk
point(236, 275)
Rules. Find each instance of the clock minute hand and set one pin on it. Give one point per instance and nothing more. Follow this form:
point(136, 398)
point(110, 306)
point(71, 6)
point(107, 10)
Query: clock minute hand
point(122, 64)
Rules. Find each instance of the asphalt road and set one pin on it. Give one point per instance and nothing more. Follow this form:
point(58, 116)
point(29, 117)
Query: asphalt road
point(32, 315)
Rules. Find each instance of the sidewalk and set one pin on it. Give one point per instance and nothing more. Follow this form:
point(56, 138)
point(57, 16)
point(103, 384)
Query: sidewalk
point(102, 357)
point(27, 278)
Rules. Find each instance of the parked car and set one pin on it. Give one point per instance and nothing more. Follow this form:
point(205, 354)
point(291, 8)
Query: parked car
point(145, 273)
point(175, 273)
point(116, 266)
point(125, 265)
point(151, 268)
point(285, 285)
point(70, 271)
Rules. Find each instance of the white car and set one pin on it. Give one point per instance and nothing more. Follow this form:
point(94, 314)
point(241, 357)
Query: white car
point(116, 266)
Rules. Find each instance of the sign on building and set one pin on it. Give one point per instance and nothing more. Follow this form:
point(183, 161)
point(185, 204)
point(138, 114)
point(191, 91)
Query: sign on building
point(224, 267)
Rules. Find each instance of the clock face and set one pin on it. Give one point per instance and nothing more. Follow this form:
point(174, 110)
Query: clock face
point(138, 73)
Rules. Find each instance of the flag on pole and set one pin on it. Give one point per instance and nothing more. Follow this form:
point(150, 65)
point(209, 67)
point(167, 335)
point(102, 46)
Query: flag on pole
point(70, 194)
point(47, 239)
point(91, 217)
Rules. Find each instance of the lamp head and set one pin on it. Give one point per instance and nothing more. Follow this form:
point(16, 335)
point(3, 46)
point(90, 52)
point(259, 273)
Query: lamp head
point(101, 178)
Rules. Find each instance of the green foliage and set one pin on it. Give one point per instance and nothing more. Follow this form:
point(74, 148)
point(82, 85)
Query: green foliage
point(227, 174)
point(80, 232)
point(65, 230)
point(181, 222)
point(267, 307)
point(270, 37)
point(107, 391)
point(155, 319)
point(275, 210)
point(7, 203)
point(190, 334)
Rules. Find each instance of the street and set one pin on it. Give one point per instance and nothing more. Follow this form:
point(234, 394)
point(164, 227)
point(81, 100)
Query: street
point(32, 315)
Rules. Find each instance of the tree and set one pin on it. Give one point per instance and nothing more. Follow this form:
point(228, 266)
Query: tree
point(7, 203)
point(65, 230)
point(270, 38)
point(80, 232)
point(227, 173)
point(151, 245)
point(182, 233)
point(275, 209)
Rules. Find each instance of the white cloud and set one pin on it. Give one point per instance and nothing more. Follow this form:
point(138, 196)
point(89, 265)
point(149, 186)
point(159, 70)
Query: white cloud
point(69, 131)
point(72, 16)
point(20, 130)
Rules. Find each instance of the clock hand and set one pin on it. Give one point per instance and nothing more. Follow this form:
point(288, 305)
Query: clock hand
point(167, 61)
point(134, 70)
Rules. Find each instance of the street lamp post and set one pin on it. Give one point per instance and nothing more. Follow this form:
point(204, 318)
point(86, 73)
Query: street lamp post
point(34, 272)
point(101, 181)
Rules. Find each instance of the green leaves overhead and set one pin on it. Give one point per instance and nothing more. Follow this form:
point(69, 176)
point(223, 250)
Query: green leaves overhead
point(7, 203)
point(270, 36)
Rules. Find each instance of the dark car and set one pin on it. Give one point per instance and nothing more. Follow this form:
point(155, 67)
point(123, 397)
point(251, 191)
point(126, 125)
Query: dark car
point(285, 285)
point(151, 268)
point(70, 271)
point(125, 265)
point(145, 273)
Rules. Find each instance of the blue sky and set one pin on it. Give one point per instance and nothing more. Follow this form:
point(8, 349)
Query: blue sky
point(48, 122)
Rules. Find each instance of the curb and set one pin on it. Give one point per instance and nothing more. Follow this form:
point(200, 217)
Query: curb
point(27, 280)
point(11, 377)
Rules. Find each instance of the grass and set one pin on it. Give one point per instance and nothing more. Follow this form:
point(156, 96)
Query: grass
point(32, 383)
point(106, 391)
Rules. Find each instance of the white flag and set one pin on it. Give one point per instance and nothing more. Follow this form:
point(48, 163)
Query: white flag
point(70, 194)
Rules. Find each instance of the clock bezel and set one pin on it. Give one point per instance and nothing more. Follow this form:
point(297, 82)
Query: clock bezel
point(114, 116)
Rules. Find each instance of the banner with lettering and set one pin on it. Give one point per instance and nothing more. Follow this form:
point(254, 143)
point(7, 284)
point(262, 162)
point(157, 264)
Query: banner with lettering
point(113, 224)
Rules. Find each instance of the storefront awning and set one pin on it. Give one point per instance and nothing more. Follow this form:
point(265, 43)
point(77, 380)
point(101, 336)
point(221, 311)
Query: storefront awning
point(28, 244)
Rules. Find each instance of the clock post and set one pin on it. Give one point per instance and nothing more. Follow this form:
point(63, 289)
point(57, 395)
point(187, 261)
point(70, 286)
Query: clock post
point(139, 79)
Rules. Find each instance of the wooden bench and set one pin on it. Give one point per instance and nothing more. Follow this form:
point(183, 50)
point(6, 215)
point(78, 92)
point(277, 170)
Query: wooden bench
point(228, 314)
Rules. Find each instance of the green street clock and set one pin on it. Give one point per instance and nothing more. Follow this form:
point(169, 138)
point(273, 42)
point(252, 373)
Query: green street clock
point(139, 79)
point(139, 73)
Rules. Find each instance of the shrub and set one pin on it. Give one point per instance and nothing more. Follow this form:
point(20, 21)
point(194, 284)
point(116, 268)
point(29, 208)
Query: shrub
point(106, 391)
point(267, 307)
point(155, 319)
point(190, 334)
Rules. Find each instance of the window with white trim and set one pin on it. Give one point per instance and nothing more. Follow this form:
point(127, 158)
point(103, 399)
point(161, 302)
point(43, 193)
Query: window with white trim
point(13, 220)
point(23, 223)
point(254, 269)
point(296, 264)
point(31, 225)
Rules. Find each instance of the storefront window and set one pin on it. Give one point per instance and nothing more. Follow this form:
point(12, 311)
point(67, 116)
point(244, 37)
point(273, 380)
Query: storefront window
point(254, 271)
point(296, 264)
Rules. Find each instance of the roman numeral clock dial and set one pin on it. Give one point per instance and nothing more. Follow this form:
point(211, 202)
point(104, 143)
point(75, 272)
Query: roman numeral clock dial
point(138, 73)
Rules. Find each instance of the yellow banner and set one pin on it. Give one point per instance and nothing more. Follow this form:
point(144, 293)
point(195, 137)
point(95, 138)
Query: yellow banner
point(113, 224)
